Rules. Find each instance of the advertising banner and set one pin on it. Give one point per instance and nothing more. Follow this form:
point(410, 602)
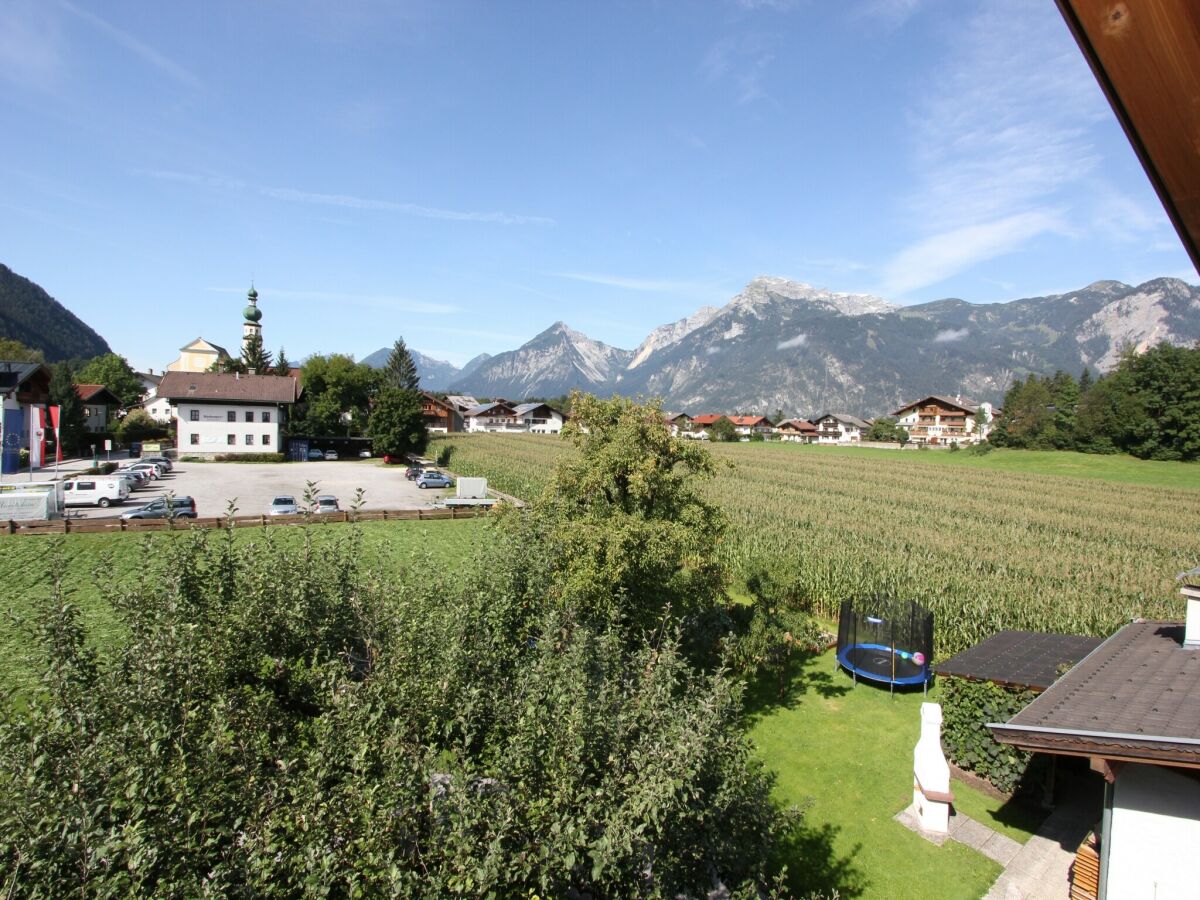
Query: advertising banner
point(13, 439)
point(37, 438)
point(54, 412)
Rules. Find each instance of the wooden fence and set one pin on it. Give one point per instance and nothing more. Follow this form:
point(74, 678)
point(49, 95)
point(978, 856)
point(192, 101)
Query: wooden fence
point(91, 526)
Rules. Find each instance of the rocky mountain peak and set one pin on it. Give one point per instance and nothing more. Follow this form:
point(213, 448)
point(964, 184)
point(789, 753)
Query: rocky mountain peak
point(768, 290)
point(673, 333)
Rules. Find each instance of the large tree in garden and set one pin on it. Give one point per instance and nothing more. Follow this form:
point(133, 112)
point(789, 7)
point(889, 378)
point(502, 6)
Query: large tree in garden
point(397, 424)
point(337, 396)
point(255, 358)
point(115, 373)
point(400, 371)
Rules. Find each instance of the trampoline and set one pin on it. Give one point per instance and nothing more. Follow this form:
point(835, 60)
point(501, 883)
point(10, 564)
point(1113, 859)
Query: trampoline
point(888, 641)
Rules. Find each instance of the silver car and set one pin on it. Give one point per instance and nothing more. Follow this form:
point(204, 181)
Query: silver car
point(327, 503)
point(283, 505)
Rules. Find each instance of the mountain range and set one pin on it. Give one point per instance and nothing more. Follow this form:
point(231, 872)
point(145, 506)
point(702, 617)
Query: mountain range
point(782, 344)
point(29, 315)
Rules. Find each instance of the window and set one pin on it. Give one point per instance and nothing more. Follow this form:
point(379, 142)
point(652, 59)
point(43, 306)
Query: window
point(87, 412)
point(195, 438)
point(231, 416)
point(266, 417)
point(194, 415)
point(266, 440)
point(85, 485)
point(250, 415)
point(231, 439)
point(249, 440)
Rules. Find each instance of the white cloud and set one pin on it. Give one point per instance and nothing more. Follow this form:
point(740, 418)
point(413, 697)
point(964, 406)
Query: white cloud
point(741, 60)
point(345, 201)
point(942, 255)
point(655, 285)
point(1000, 138)
point(798, 341)
point(951, 334)
point(129, 42)
point(375, 301)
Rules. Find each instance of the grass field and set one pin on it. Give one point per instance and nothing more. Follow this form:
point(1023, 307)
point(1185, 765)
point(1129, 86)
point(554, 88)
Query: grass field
point(985, 542)
point(844, 754)
point(89, 560)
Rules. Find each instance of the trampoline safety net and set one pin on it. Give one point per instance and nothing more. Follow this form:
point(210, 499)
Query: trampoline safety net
point(886, 640)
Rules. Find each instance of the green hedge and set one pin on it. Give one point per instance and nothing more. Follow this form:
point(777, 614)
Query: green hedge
point(238, 457)
point(967, 707)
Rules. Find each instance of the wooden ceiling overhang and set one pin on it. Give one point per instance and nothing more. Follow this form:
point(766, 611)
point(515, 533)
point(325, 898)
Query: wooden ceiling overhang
point(1146, 56)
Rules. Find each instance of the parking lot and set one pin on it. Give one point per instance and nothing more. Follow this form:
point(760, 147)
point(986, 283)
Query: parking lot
point(253, 485)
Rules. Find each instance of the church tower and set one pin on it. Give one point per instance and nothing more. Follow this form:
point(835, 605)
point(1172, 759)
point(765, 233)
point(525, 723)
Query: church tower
point(252, 315)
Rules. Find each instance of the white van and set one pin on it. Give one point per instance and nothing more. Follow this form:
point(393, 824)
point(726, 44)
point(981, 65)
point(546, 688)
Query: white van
point(95, 490)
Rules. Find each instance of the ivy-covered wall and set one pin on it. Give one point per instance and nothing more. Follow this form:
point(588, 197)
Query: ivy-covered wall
point(967, 707)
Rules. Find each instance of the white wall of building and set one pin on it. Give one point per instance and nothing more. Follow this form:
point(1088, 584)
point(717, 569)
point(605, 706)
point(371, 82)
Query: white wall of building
point(159, 409)
point(206, 428)
point(845, 434)
point(1154, 840)
point(538, 422)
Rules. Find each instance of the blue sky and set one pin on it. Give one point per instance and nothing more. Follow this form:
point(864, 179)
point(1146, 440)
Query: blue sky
point(464, 174)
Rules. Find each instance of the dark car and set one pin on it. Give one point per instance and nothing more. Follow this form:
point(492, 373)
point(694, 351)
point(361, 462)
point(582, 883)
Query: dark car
point(315, 454)
point(413, 472)
point(180, 508)
point(434, 480)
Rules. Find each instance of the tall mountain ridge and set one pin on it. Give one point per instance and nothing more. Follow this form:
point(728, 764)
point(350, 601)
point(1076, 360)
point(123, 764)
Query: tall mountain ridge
point(781, 344)
point(29, 315)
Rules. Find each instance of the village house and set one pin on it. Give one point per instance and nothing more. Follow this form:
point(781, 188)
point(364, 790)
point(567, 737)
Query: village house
point(840, 428)
point(1130, 707)
point(198, 356)
point(938, 420)
point(97, 401)
point(748, 425)
point(538, 418)
point(799, 431)
point(495, 416)
point(24, 386)
point(702, 424)
point(441, 416)
point(680, 424)
point(229, 414)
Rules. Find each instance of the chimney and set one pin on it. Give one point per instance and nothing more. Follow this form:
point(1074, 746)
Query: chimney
point(931, 774)
point(1191, 592)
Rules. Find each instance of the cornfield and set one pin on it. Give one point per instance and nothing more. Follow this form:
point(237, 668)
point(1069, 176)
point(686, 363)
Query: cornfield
point(984, 549)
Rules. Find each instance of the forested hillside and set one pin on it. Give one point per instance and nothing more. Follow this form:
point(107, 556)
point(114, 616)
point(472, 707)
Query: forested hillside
point(29, 315)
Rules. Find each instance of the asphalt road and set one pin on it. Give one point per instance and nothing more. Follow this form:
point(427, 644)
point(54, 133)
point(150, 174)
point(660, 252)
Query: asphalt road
point(253, 485)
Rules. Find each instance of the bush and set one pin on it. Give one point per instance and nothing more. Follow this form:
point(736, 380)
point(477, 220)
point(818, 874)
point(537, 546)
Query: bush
point(250, 457)
point(983, 448)
point(967, 707)
point(443, 455)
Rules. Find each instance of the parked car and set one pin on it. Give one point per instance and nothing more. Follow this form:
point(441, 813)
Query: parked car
point(283, 505)
point(179, 508)
point(314, 453)
point(364, 454)
point(95, 490)
point(434, 480)
point(132, 479)
point(331, 455)
point(413, 472)
point(154, 470)
point(161, 461)
point(327, 503)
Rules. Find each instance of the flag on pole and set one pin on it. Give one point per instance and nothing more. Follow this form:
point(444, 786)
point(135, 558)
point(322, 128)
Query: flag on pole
point(37, 438)
point(55, 412)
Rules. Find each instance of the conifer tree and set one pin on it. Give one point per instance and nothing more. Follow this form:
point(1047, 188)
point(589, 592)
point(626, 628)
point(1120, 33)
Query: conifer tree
point(282, 365)
point(256, 359)
point(400, 371)
point(72, 425)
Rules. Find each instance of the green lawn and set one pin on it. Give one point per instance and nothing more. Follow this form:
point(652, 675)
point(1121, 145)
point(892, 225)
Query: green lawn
point(91, 560)
point(1120, 467)
point(844, 754)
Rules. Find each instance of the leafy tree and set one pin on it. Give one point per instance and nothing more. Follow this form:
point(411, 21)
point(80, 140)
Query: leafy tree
point(887, 429)
point(980, 422)
point(337, 396)
point(633, 538)
point(287, 723)
point(1103, 410)
point(230, 365)
point(397, 424)
point(72, 425)
point(15, 351)
point(1027, 421)
point(256, 360)
point(1064, 393)
point(115, 373)
point(1160, 409)
point(722, 430)
point(138, 425)
point(400, 371)
point(282, 365)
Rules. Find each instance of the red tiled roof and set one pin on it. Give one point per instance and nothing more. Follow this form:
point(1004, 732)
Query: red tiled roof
point(707, 419)
point(92, 393)
point(749, 420)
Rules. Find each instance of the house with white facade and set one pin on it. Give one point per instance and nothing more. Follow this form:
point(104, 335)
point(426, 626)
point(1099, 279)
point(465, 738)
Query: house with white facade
point(495, 416)
point(226, 414)
point(158, 408)
point(840, 428)
point(679, 424)
point(538, 418)
point(748, 425)
point(24, 386)
point(797, 431)
point(1132, 709)
point(938, 420)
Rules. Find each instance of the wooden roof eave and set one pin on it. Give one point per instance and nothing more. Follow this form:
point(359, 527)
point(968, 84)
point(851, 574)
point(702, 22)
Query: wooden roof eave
point(1146, 58)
